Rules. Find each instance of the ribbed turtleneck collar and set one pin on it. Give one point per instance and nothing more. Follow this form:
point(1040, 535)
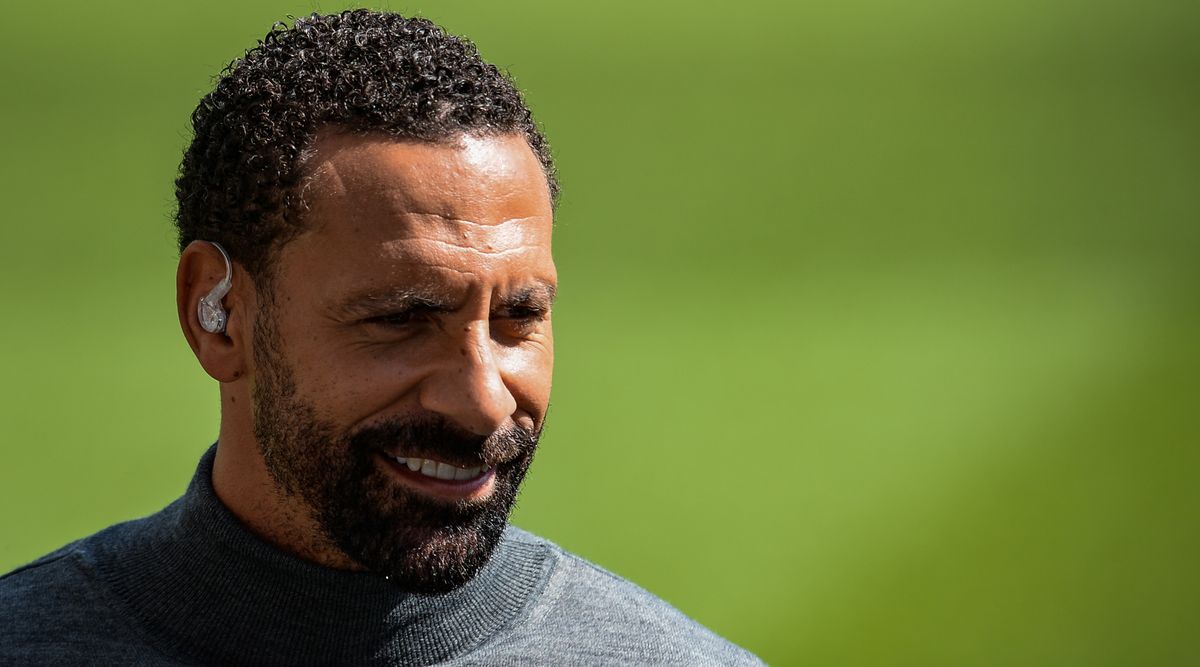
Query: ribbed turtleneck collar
point(205, 588)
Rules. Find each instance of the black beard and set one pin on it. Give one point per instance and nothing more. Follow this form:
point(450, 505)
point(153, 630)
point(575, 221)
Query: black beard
point(419, 543)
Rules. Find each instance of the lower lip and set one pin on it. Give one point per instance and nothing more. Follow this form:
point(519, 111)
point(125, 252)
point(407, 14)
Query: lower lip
point(476, 488)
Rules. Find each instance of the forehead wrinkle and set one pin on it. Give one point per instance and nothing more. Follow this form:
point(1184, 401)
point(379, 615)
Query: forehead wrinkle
point(398, 201)
point(417, 193)
point(489, 251)
point(496, 237)
point(450, 220)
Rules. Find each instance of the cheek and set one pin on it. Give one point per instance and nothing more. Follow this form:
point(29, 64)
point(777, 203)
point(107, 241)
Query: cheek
point(528, 372)
point(349, 384)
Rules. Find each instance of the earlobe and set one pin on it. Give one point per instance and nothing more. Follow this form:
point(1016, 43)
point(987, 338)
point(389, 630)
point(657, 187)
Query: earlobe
point(208, 309)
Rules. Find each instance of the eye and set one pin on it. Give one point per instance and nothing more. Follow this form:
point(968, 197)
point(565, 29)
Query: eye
point(526, 313)
point(522, 320)
point(403, 318)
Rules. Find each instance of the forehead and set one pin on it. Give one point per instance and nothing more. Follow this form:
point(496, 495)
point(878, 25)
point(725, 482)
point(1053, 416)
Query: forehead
point(375, 206)
point(486, 180)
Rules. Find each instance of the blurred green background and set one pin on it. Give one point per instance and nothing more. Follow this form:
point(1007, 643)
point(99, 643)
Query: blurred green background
point(877, 338)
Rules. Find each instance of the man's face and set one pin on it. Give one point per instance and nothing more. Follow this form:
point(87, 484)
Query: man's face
point(403, 351)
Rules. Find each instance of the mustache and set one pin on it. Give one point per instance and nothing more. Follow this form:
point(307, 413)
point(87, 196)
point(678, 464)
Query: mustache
point(435, 437)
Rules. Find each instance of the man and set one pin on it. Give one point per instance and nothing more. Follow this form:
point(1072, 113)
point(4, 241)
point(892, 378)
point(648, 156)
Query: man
point(365, 219)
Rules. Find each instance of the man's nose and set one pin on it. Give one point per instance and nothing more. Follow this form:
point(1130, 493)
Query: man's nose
point(470, 387)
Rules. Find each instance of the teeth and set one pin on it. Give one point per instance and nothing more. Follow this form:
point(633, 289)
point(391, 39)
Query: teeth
point(439, 470)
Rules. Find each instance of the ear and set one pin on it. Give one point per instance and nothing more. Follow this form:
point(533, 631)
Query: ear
point(223, 355)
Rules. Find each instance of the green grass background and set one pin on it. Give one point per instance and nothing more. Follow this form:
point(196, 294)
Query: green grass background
point(879, 321)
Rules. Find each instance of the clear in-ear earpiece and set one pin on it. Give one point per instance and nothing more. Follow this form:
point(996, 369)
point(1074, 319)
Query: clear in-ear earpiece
point(210, 311)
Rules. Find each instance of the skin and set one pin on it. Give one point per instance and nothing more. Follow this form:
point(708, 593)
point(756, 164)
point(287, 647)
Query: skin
point(463, 225)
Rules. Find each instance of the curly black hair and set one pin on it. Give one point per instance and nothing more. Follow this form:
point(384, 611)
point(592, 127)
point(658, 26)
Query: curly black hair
point(358, 71)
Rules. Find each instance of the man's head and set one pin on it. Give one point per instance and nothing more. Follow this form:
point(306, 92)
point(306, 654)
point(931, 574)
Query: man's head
point(241, 180)
point(385, 372)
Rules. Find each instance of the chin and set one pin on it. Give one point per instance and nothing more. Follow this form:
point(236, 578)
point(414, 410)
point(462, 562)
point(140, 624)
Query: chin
point(419, 543)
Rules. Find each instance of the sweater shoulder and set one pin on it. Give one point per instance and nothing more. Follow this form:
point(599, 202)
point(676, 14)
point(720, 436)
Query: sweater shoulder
point(589, 615)
point(55, 610)
point(51, 582)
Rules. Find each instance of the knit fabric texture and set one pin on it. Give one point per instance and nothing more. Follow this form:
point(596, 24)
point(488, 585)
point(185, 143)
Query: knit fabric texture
point(190, 585)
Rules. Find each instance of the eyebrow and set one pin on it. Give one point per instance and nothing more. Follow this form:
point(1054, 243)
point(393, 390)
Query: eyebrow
point(371, 303)
point(540, 293)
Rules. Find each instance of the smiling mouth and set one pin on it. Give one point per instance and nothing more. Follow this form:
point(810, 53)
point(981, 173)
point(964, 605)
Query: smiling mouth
point(439, 469)
point(442, 479)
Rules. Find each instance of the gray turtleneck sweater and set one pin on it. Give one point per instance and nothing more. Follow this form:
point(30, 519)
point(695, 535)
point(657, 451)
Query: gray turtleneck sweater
point(191, 586)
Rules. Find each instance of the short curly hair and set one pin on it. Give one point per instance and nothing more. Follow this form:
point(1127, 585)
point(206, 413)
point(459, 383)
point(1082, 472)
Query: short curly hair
point(357, 71)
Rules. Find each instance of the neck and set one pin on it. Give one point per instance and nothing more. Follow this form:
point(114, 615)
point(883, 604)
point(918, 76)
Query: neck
point(214, 591)
point(243, 484)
